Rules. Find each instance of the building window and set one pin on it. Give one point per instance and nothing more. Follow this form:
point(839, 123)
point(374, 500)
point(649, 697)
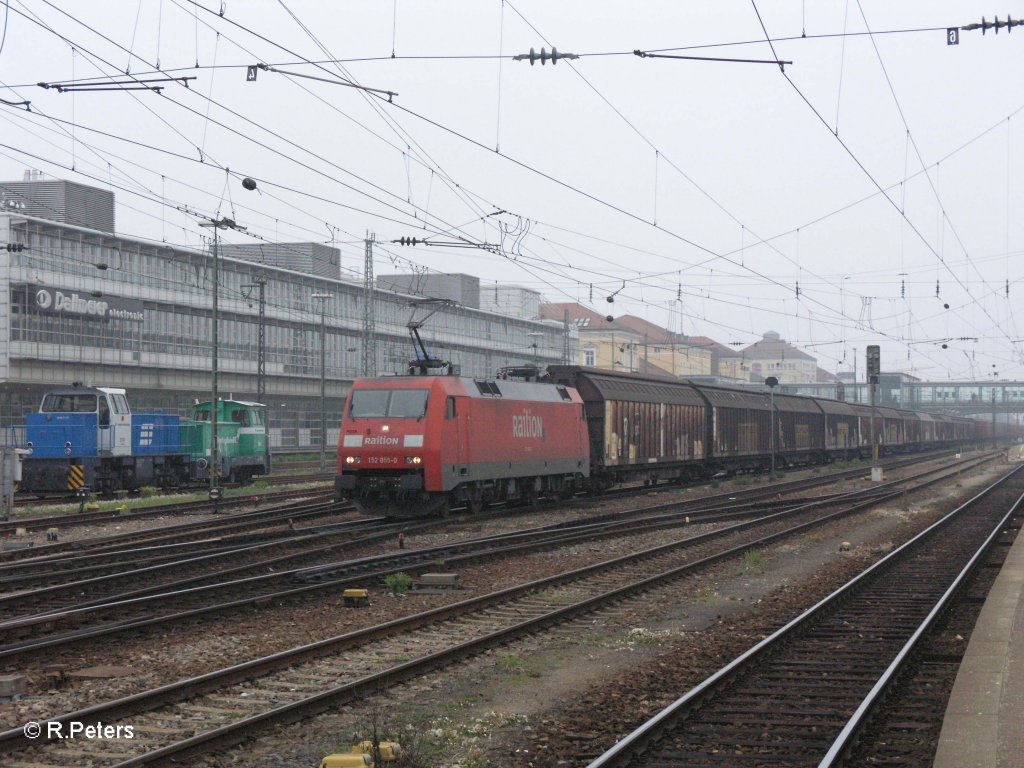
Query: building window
point(590, 357)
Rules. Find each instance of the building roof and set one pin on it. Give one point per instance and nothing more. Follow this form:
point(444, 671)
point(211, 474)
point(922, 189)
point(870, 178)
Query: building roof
point(584, 317)
point(774, 347)
point(648, 368)
point(653, 333)
point(717, 349)
point(587, 319)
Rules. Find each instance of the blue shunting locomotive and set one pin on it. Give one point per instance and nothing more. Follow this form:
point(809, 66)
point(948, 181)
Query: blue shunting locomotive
point(88, 437)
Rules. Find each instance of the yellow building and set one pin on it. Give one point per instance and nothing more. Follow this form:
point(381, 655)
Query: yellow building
point(631, 344)
point(771, 356)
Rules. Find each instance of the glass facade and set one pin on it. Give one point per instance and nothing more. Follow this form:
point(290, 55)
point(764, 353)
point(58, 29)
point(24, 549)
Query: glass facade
point(89, 306)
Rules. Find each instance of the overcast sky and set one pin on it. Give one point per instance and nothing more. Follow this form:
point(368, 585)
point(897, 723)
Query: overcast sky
point(881, 173)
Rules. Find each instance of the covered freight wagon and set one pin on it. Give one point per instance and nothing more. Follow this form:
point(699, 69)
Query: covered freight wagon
point(640, 428)
point(841, 426)
point(740, 425)
point(800, 426)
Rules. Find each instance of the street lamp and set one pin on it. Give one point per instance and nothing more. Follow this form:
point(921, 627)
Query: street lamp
point(322, 298)
point(215, 224)
point(771, 382)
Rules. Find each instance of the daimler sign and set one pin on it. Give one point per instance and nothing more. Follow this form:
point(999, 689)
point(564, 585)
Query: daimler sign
point(59, 301)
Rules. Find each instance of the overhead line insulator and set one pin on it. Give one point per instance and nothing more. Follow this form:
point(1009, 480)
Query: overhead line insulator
point(544, 56)
point(996, 24)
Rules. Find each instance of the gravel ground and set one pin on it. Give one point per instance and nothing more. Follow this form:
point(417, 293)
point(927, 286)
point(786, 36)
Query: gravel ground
point(499, 703)
point(527, 705)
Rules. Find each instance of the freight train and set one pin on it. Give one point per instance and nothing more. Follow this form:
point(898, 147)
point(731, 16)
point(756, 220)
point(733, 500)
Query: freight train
point(416, 445)
point(89, 438)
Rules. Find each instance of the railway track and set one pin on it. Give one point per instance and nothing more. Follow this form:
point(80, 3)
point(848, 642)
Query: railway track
point(186, 544)
point(216, 561)
point(56, 555)
point(297, 472)
point(23, 630)
point(226, 706)
point(905, 728)
point(136, 551)
point(38, 523)
point(803, 696)
point(42, 522)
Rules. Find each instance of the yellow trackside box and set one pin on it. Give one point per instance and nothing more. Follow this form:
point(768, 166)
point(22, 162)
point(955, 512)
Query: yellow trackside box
point(360, 755)
point(355, 598)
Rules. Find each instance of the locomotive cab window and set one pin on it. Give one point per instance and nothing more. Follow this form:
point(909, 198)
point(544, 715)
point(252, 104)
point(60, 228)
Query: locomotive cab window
point(449, 408)
point(120, 404)
point(408, 403)
point(369, 404)
point(240, 417)
point(394, 404)
point(54, 403)
point(104, 413)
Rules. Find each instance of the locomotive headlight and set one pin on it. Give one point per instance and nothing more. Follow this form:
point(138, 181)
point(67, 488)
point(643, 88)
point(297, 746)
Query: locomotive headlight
point(413, 460)
point(351, 459)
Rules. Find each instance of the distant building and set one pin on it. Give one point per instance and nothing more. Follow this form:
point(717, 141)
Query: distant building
point(722, 357)
point(673, 353)
point(311, 258)
point(511, 300)
point(58, 200)
point(84, 305)
point(630, 344)
point(771, 356)
point(462, 289)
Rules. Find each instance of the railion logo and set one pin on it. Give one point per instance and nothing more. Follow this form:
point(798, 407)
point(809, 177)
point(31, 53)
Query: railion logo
point(382, 440)
point(527, 425)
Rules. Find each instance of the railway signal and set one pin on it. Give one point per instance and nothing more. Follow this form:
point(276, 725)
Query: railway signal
point(874, 360)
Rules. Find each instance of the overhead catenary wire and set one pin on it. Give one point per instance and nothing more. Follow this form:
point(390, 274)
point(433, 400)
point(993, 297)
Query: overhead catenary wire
point(646, 140)
point(875, 182)
point(920, 159)
point(791, 284)
point(492, 56)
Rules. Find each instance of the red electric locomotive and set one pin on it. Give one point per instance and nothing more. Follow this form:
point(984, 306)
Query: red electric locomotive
point(415, 445)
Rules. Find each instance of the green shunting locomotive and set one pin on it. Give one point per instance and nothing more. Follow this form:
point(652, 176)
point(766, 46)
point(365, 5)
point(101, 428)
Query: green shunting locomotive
point(241, 440)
